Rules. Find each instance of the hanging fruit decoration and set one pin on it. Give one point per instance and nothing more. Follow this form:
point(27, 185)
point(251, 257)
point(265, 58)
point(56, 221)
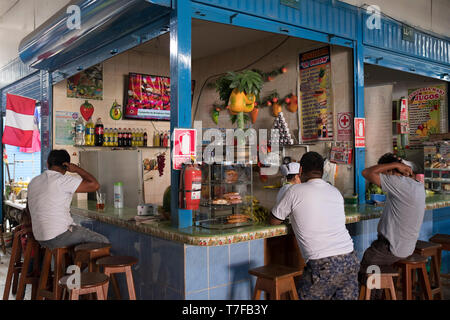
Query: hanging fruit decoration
point(87, 110)
point(254, 113)
point(292, 103)
point(273, 100)
point(239, 90)
point(116, 111)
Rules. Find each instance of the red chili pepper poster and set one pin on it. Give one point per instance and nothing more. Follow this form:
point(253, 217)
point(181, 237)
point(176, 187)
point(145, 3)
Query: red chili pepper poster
point(315, 90)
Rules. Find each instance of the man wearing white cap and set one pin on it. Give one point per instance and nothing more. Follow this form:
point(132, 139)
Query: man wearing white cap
point(291, 171)
point(402, 217)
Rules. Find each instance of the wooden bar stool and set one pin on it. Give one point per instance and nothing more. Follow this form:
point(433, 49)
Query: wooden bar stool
point(386, 282)
point(444, 241)
point(90, 282)
point(433, 251)
point(32, 249)
point(15, 263)
point(61, 258)
point(409, 266)
point(88, 253)
point(118, 264)
point(275, 280)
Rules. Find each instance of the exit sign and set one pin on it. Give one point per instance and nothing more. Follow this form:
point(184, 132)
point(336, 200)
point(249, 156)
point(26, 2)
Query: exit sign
point(408, 34)
point(291, 3)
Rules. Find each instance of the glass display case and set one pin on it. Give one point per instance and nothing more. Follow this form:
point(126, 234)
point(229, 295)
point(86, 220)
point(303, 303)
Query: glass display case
point(226, 197)
point(437, 166)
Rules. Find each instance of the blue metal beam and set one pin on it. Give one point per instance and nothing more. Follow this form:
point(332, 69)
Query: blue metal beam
point(358, 70)
point(181, 96)
point(46, 117)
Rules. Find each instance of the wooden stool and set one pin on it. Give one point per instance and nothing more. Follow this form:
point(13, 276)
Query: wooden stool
point(444, 241)
point(118, 264)
point(2, 239)
point(433, 251)
point(91, 282)
point(31, 251)
point(386, 282)
point(15, 262)
point(88, 253)
point(59, 255)
point(275, 280)
point(409, 266)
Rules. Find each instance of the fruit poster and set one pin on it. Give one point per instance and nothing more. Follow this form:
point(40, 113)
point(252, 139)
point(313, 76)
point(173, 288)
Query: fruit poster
point(424, 107)
point(87, 84)
point(316, 110)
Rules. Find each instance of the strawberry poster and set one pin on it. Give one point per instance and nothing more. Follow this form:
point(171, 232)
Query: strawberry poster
point(87, 84)
point(424, 107)
point(316, 120)
point(148, 97)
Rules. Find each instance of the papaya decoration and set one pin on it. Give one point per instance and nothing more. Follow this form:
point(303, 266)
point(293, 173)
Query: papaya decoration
point(254, 114)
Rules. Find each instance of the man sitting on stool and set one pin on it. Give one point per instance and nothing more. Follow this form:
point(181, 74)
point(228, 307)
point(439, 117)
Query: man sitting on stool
point(49, 198)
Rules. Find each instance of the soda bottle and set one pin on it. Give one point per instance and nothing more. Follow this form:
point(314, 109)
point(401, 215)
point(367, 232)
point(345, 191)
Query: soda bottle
point(133, 137)
point(99, 133)
point(116, 138)
point(105, 137)
point(130, 138)
point(79, 132)
point(145, 139)
point(166, 140)
point(161, 139)
point(89, 133)
point(120, 139)
point(141, 138)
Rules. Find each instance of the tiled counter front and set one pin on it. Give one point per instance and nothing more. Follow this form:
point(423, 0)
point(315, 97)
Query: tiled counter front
point(173, 270)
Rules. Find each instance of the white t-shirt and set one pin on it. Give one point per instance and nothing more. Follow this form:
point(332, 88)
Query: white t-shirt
point(317, 216)
point(283, 191)
point(49, 198)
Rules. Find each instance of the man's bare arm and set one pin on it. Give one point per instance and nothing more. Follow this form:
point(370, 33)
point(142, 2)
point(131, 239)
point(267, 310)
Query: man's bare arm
point(372, 174)
point(89, 183)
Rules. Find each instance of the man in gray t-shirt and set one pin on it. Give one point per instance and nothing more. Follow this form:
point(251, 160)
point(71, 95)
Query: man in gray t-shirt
point(402, 217)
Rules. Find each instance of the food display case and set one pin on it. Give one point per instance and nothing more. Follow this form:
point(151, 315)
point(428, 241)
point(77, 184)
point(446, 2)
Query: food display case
point(437, 166)
point(226, 197)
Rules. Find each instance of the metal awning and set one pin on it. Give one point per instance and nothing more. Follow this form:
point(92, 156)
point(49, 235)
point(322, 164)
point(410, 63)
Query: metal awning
point(58, 41)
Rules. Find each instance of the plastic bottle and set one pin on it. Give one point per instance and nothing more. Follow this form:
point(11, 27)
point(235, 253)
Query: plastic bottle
point(145, 139)
point(116, 138)
point(141, 137)
point(133, 137)
point(106, 137)
point(79, 132)
point(130, 138)
point(89, 133)
point(99, 133)
point(161, 139)
point(118, 195)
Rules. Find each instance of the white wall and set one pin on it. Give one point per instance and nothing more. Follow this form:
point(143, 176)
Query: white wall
point(20, 17)
point(430, 15)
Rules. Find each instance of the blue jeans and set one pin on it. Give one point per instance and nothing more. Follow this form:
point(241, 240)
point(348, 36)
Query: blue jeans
point(74, 236)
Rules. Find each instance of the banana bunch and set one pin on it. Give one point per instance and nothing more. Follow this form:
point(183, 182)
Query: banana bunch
point(259, 214)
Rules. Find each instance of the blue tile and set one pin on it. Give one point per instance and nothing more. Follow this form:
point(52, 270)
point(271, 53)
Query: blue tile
point(196, 266)
point(171, 266)
point(200, 295)
point(241, 290)
point(219, 271)
point(256, 253)
point(239, 261)
point(159, 291)
point(146, 292)
point(219, 293)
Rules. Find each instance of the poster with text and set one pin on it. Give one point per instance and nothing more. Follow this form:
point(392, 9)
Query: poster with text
point(315, 91)
point(64, 127)
point(424, 107)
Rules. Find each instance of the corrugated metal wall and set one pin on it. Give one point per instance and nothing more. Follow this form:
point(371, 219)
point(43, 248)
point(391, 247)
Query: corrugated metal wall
point(14, 71)
point(339, 19)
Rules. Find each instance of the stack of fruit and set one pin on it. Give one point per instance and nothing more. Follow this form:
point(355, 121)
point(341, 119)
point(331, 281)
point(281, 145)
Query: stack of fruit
point(282, 135)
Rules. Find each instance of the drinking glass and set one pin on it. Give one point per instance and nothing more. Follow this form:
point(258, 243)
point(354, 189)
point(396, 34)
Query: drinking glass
point(101, 199)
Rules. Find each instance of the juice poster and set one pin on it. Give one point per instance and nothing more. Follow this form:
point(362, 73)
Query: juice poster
point(316, 120)
point(425, 105)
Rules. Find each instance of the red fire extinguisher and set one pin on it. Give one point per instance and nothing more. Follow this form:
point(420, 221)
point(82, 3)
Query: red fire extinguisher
point(190, 187)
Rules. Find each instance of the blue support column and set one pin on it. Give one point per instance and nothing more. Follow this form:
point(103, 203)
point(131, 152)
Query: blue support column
point(358, 69)
point(180, 104)
point(46, 117)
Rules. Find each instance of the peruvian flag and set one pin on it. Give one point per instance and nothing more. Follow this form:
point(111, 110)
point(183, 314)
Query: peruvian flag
point(19, 123)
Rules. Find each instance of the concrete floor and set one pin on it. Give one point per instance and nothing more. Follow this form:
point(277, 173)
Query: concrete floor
point(4, 263)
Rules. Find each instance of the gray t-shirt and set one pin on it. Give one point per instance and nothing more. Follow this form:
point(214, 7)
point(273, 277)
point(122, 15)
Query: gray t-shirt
point(403, 213)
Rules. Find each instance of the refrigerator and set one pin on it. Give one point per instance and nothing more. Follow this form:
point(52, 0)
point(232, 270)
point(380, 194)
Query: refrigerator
point(109, 167)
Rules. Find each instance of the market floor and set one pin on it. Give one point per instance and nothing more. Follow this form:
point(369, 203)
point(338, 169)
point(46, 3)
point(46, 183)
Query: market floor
point(4, 263)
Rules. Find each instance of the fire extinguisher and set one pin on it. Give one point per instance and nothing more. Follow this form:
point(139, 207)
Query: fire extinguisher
point(190, 187)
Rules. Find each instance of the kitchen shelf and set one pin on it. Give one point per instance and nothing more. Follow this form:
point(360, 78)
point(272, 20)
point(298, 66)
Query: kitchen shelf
point(438, 169)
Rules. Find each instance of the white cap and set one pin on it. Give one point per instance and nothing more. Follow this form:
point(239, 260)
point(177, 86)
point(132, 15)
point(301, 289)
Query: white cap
point(290, 168)
point(410, 164)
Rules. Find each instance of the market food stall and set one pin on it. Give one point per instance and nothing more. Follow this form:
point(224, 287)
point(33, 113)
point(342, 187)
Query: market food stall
point(177, 63)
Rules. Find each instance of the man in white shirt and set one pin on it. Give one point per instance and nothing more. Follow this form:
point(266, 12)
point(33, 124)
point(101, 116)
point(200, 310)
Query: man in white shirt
point(49, 198)
point(291, 171)
point(317, 216)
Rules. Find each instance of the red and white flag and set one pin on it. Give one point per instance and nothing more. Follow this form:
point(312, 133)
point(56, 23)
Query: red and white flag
point(19, 123)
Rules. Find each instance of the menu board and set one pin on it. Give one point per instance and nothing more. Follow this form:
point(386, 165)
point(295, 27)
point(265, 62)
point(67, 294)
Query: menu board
point(64, 127)
point(424, 108)
point(316, 113)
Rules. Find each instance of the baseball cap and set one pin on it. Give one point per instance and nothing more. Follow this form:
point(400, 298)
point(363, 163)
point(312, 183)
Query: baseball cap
point(290, 168)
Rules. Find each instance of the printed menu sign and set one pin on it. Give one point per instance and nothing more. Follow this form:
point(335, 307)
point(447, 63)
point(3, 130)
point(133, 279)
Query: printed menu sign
point(424, 108)
point(315, 91)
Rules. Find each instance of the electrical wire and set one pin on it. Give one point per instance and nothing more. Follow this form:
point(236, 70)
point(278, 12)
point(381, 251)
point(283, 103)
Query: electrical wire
point(247, 66)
